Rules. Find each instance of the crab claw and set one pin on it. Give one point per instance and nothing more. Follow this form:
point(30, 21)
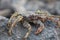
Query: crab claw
point(39, 30)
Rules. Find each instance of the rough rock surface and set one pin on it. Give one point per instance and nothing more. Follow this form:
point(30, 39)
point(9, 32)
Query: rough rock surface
point(19, 31)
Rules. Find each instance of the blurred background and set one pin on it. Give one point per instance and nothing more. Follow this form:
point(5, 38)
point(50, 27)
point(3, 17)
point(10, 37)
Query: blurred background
point(6, 9)
point(53, 6)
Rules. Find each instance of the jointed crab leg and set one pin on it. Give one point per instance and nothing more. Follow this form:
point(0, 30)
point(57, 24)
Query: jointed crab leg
point(40, 28)
point(28, 26)
point(55, 19)
point(58, 21)
point(19, 18)
point(14, 15)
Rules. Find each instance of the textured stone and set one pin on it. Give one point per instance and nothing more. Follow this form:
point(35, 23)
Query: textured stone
point(19, 31)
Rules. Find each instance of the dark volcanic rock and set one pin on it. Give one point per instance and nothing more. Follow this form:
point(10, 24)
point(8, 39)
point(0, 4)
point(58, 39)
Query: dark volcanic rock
point(19, 31)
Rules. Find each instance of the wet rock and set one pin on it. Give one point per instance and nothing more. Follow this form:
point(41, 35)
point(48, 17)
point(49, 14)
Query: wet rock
point(58, 32)
point(19, 31)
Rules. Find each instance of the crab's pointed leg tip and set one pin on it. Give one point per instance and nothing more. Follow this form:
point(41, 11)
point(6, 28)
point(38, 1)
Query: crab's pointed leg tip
point(9, 33)
point(36, 33)
point(24, 39)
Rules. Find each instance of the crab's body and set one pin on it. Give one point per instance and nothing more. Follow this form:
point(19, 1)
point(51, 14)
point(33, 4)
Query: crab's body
point(37, 18)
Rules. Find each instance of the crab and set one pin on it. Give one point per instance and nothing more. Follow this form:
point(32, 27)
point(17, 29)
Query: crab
point(38, 18)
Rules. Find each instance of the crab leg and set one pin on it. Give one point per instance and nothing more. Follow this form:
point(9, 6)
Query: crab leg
point(40, 28)
point(28, 26)
point(55, 19)
point(14, 15)
point(17, 20)
point(58, 23)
